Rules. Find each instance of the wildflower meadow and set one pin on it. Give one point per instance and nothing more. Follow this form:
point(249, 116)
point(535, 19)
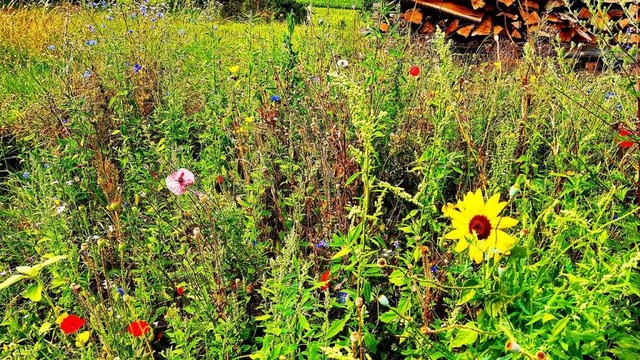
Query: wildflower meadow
point(192, 181)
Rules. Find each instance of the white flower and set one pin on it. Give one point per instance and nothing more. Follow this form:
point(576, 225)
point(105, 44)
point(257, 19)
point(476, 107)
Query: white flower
point(343, 63)
point(60, 209)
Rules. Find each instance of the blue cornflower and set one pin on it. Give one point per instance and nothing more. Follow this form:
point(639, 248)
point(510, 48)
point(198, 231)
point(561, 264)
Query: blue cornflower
point(255, 243)
point(275, 98)
point(609, 95)
point(46, 165)
point(615, 217)
point(153, 19)
point(129, 31)
point(86, 74)
point(159, 15)
point(342, 297)
point(322, 244)
point(434, 270)
point(25, 174)
point(64, 121)
point(136, 68)
point(90, 42)
point(51, 47)
point(91, 28)
point(121, 291)
point(143, 10)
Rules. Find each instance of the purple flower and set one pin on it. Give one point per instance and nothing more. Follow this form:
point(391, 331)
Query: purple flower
point(159, 15)
point(90, 42)
point(51, 47)
point(136, 68)
point(25, 174)
point(322, 244)
point(91, 28)
point(121, 291)
point(143, 10)
point(618, 107)
point(609, 95)
point(129, 31)
point(109, 18)
point(342, 297)
point(275, 98)
point(434, 270)
point(86, 75)
point(46, 165)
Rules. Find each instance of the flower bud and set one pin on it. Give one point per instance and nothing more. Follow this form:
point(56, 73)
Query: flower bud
point(512, 346)
point(514, 190)
point(102, 242)
point(501, 269)
point(84, 246)
point(359, 302)
point(382, 262)
point(383, 300)
point(355, 336)
point(540, 355)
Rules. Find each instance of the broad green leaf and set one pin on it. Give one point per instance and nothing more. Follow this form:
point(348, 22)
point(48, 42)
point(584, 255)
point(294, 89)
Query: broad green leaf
point(11, 280)
point(341, 253)
point(336, 327)
point(397, 278)
point(33, 292)
point(263, 317)
point(466, 296)
point(388, 317)
point(464, 337)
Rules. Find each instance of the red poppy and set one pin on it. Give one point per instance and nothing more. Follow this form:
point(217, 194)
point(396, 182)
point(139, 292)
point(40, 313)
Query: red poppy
point(414, 71)
point(325, 279)
point(138, 328)
point(179, 291)
point(219, 179)
point(625, 141)
point(71, 324)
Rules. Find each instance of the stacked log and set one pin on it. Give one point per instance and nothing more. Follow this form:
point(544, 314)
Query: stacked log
point(565, 20)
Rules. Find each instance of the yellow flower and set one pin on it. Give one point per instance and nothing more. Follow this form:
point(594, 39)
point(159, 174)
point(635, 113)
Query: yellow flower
point(478, 227)
point(83, 338)
point(234, 69)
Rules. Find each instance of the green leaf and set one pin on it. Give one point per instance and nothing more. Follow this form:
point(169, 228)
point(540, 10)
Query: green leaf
point(303, 322)
point(263, 317)
point(397, 278)
point(388, 317)
point(341, 253)
point(464, 337)
point(11, 280)
point(466, 296)
point(560, 325)
point(44, 328)
point(336, 327)
point(27, 270)
point(352, 178)
point(33, 292)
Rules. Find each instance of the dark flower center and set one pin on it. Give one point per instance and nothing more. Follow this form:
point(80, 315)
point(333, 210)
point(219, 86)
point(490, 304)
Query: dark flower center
point(481, 226)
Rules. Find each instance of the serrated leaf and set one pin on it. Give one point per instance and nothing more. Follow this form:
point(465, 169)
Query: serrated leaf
point(11, 280)
point(336, 327)
point(341, 253)
point(33, 292)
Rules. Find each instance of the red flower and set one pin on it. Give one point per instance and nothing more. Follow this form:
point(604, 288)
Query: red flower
point(625, 141)
point(179, 291)
point(138, 328)
point(219, 179)
point(414, 71)
point(71, 324)
point(325, 279)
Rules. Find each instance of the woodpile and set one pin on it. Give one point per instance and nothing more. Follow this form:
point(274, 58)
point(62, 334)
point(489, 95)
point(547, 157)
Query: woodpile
point(565, 20)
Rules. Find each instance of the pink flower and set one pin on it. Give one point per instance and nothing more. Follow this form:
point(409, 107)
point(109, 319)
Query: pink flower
point(179, 180)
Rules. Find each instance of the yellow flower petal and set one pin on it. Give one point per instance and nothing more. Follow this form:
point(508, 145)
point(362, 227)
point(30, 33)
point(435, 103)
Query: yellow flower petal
point(494, 211)
point(456, 234)
point(461, 245)
point(60, 318)
point(503, 222)
point(476, 254)
point(82, 338)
